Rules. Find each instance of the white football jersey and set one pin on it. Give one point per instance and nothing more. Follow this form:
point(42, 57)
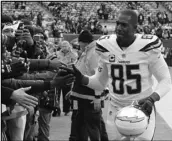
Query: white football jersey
point(130, 69)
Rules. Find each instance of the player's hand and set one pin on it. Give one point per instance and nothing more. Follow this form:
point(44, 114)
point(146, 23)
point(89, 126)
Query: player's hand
point(61, 81)
point(80, 78)
point(146, 106)
point(23, 98)
point(64, 72)
point(148, 103)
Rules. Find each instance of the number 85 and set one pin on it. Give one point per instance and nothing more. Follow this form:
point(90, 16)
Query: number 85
point(129, 76)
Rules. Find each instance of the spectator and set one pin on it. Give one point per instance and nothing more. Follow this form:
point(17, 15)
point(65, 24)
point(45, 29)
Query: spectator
point(100, 13)
point(166, 34)
point(105, 30)
point(159, 32)
point(106, 13)
point(146, 30)
point(39, 19)
point(67, 56)
point(140, 18)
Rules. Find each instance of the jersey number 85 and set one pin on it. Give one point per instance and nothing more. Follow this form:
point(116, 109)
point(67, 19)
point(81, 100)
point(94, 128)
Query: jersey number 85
point(129, 76)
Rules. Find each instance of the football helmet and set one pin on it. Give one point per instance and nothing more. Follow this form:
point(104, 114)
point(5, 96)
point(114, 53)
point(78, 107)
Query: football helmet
point(131, 121)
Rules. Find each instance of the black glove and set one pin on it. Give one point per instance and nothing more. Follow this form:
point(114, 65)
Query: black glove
point(62, 72)
point(61, 81)
point(11, 70)
point(148, 103)
point(80, 78)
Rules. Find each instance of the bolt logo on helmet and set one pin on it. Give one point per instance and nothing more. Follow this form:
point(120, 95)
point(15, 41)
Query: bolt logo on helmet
point(131, 121)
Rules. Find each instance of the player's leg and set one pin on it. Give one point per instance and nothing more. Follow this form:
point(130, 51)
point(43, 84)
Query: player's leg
point(112, 131)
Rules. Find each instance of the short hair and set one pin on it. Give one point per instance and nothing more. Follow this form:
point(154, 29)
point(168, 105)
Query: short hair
point(132, 13)
point(65, 44)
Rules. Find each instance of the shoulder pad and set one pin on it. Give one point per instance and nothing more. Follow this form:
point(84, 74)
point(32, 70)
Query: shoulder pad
point(153, 42)
point(102, 43)
point(100, 48)
point(104, 37)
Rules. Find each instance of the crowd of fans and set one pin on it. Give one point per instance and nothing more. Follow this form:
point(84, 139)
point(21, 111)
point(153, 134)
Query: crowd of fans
point(30, 59)
point(72, 17)
point(25, 37)
point(168, 5)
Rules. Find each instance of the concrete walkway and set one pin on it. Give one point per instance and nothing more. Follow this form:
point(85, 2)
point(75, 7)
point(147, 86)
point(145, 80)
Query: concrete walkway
point(60, 128)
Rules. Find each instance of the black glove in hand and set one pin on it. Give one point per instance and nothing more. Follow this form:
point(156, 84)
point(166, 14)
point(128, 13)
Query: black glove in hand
point(13, 69)
point(60, 81)
point(148, 103)
point(62, 72)
point(80, 78)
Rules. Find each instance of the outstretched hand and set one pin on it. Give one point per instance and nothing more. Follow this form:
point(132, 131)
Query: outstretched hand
point(61, 81)
point(79, 76)
point(20, 96)
point(55, 64)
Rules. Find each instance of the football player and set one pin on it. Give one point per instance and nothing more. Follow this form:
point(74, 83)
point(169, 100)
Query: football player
point(127, 64)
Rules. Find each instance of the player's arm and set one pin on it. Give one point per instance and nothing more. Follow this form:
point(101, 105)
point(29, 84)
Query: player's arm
point(160, 70)
point(158, 67)
point(100, 79)
point(97, 81)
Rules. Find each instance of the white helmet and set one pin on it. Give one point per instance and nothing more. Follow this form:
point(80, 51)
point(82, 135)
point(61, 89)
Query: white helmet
point(131, 121)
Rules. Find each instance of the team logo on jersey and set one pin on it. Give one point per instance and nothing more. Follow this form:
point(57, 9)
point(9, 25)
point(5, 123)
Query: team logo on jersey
point(111, 58)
